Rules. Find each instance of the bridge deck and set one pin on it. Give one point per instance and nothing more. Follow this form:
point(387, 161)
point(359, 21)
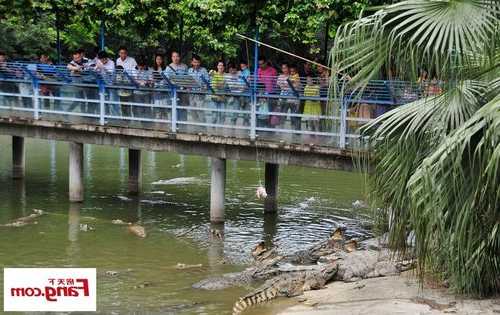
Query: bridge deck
point(218, 146)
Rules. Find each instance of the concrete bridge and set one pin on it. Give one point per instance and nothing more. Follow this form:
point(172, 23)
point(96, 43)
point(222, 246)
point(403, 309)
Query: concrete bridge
point(182, 114)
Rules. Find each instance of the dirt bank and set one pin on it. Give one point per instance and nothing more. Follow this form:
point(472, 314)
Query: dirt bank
point(387, 295)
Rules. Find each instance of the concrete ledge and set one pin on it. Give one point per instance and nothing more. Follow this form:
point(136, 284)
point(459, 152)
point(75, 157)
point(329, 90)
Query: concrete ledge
point(230, 148)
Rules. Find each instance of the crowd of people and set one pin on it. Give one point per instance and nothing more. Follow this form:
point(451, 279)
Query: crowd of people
point(220, 96)
point(228, 82)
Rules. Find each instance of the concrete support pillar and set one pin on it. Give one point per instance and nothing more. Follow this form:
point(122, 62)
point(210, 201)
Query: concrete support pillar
point(18, 157)
point(134, 171)
point(217, 187)
point(271, 177)
point(75, 172)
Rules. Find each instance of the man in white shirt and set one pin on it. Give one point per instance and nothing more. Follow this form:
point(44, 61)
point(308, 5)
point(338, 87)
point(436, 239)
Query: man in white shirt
point(128, 63)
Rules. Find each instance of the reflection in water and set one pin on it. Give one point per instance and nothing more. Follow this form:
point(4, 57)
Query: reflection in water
point(123, 167)
point(270, 228)
point(151, 164)
point(20, 192)
point(215, 246)
point(53, 162)
point(88, 163)
point(74, 221)
point(234, 171)
point(152, 159)
point(73, 248)
point(139, 210)
point(182, 164)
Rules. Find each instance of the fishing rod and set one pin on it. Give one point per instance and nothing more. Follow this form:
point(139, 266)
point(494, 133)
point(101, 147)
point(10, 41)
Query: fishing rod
point(283, 51)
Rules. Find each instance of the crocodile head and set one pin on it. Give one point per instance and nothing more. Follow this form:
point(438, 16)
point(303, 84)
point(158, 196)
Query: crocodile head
point(338, 234)
point(329, 271)
point(259, 249)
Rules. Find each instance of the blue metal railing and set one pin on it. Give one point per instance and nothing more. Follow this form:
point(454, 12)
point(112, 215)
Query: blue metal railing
point(282, 108)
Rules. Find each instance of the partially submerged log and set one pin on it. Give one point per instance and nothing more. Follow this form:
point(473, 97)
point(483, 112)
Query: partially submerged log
point(22, 221)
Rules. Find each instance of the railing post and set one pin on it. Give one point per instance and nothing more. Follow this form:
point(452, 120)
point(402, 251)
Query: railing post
point(343, 123)
point(102, 108)
point(174, 109)
point(36, 99)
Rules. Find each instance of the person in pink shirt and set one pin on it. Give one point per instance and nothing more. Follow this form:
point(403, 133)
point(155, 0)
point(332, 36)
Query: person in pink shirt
point(267, 75)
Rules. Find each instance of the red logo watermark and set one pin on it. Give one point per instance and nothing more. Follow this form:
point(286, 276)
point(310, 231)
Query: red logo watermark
point(65, 287)
point(49, 289)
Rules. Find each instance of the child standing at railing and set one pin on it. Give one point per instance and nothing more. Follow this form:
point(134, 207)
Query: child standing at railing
point(312, 108)
point(294, 104)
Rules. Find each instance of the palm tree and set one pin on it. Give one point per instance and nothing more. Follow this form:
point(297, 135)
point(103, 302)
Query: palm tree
point(435, 162)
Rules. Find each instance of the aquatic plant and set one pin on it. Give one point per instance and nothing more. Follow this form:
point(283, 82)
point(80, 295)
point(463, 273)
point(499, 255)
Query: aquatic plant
point(435, 162)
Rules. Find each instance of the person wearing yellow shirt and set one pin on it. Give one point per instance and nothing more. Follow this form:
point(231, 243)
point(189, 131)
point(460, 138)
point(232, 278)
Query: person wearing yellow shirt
point(218, 84)
point(312, 108)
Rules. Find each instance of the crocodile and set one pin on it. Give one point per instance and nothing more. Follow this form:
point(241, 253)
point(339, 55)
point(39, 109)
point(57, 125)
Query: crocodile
point(335, 243)
point(22, 221)
point(348, 264)
point(267, 262)
point(287, 285)
point(137, 230)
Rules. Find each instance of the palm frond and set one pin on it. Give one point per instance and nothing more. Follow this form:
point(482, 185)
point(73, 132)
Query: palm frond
point(435, 163)
point(459, 182)
point(446, 36)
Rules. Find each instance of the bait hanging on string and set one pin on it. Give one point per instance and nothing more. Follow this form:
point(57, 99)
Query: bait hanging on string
point(260, 192)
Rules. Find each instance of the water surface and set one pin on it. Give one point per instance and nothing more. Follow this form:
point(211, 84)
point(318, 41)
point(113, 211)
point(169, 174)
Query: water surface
point(175, 200)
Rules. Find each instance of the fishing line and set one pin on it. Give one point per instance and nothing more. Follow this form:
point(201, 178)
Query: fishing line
point(248, 53)
point(282, 51)
point(259, 169)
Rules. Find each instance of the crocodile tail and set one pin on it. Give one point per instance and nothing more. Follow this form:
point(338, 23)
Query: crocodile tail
point(261, 297)
point(240, 306)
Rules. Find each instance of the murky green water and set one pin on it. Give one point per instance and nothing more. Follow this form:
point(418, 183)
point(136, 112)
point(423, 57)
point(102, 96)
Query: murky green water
point(312, 202)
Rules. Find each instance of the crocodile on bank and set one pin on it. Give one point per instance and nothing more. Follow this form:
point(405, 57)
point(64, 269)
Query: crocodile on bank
point(269, 263)
point(334, 259)
point(348, 264)
point(287, 285)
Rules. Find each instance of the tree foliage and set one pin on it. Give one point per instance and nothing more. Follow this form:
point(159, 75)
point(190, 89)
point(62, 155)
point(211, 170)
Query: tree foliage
point(436, 162)
point(207, 27)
